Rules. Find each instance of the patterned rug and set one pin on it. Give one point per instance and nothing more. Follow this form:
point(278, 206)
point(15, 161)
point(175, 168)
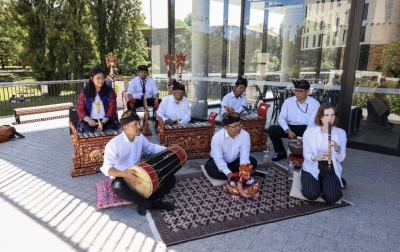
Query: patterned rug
point(203, 210)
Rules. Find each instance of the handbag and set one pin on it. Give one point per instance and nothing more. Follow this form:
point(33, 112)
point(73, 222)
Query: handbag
point(6, 131)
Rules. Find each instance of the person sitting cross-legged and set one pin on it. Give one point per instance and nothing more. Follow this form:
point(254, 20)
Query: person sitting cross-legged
point(125, 150)
point(97, 105)
point(175, 107)
point(140, 85)
point(230, 148)
point(297, 113)
point(235, 99)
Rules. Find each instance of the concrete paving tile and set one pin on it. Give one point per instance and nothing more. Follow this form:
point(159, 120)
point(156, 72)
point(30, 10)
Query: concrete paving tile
point(238, 241)
point(381, 210)
point(366, 238)
point(268, 229)
point(310, 230)
point(279, 236)
point(321, 241)
point(93, 248)
point(197, 245)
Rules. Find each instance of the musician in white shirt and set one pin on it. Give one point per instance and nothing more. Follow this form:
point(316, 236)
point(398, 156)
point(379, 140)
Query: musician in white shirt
point(140, 85)
point(125, 150)
point(230, 148)
point(297, 113)
point(235, 99)
point(316, 177)
point(175, 107)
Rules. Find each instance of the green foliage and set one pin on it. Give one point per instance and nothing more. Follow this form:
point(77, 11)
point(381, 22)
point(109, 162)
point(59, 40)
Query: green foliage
point(8, 77)
point(183, 38)
point(117, 24)
point(274, 64)
point(10, 35)
point(360, 99)
point(66, 39)
point(391, 58)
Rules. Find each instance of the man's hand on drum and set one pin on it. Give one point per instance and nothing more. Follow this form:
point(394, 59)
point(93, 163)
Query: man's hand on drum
point(131, 176)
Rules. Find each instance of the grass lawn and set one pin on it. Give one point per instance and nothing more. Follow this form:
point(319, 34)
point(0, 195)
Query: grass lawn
point(34, 99)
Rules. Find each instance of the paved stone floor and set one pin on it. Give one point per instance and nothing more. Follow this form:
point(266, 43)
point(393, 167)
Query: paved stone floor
point(43, 208)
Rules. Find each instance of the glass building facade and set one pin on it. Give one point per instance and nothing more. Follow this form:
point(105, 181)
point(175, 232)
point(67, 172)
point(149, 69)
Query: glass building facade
point(348, 50)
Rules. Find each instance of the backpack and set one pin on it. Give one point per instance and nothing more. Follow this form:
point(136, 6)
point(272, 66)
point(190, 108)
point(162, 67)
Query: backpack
point(6, 131)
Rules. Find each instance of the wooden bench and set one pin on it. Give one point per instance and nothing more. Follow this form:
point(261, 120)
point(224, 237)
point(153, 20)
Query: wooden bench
point(41, 109)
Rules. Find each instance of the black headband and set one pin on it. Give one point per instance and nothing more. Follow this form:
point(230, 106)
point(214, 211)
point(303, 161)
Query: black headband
point(129, 116)
point(303, 84)
point(177, 86)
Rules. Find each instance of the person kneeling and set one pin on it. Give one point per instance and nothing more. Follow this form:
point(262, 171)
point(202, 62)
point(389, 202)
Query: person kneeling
point(125, 150)
point(230, 148)
point(316, 177)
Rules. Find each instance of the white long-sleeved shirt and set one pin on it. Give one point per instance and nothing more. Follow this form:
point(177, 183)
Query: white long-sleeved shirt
point(314, 144)
point(225, 149)
point(121, 153)
point(135, 88)
point(169, 109)
point(295, 113)
point(233, 102)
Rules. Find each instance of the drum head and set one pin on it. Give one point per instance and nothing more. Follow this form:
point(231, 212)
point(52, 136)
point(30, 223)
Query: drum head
point(146, 187)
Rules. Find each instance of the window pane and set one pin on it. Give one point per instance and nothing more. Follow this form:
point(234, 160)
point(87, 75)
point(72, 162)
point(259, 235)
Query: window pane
point(376, 99)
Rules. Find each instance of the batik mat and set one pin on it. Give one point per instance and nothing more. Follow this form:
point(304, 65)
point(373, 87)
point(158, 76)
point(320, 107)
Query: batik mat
point(203, 210)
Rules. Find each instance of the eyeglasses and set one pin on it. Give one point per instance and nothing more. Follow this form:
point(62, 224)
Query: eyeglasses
point(299, 91)
point(238, 126)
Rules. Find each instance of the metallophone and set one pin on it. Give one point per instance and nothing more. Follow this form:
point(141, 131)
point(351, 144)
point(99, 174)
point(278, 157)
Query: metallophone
point(89, 150)
point(194, 138)
point(254, 125)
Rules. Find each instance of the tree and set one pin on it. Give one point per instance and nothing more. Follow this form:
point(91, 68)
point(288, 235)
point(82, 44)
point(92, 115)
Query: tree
point(391, 58)
point(79, 37)
point(117, 24)
point(9, 34)
point(183, 38)
point(32, 16)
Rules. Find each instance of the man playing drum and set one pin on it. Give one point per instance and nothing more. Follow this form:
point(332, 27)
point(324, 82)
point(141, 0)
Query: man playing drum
point(230, 148)
point(297, 113)
point(125, 150)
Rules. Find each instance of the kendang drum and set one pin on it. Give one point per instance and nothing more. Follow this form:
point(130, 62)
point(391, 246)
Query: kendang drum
point(156, 169)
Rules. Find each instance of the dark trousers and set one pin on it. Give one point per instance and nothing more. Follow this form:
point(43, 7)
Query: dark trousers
point(139, 103)
point(275, 133)
point(328, 184)
point(373, 116)
point(213, 171)
point(123, 191)
point(109, 125)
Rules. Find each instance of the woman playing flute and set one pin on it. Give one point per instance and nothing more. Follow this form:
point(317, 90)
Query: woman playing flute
point(316, 178)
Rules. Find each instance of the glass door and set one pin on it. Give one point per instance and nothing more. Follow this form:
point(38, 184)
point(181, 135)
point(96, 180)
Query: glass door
point(375, 110)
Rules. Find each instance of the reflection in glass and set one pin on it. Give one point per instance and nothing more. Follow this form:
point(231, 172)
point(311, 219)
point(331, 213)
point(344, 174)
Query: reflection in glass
point(376, 95)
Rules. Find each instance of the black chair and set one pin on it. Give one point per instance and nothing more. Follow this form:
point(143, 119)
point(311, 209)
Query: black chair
point(73, 117)
point(278, 101)
point(261, 95)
